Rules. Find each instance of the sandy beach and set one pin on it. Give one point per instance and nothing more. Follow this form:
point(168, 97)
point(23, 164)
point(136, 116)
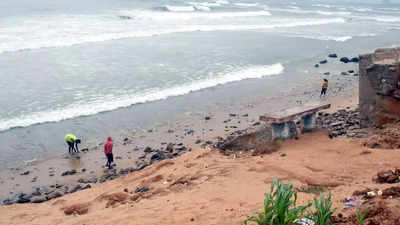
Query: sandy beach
point(207, 187)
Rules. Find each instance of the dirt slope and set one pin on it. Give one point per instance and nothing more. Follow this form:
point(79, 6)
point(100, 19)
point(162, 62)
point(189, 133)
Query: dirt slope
point(205, 187)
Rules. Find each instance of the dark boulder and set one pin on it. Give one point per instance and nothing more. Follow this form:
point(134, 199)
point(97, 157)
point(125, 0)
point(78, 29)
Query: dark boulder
point(157, 157)
point(333, 55)
point(316, 65)
point(323, 61)
point(142, 189)
point(344, 60)
point(355, 60)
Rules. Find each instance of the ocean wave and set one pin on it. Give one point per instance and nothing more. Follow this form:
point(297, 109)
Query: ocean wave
point(331, 38)
point(58, 36)
point(115, 102)
point(179, 8)
point(386, 19)
point(320, 12)
point(246, 4)
point(206, 4)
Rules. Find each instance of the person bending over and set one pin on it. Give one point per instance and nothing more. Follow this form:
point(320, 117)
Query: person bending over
point(72, 142)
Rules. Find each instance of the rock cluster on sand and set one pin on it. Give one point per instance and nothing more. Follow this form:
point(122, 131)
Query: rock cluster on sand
point(342, 123)
point(149, 157)
point(388, 137)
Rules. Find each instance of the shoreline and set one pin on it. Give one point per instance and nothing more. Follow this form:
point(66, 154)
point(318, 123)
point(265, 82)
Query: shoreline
point(136, 150)
point(184, 134)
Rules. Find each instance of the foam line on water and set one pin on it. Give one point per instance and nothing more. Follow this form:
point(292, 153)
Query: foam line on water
point(109, 103)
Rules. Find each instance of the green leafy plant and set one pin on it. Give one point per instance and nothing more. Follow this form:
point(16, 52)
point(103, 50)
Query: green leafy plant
point(323, 210)
point(362, 216)
point(279, 206)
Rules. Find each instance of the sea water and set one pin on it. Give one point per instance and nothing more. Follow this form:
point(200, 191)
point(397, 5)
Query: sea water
point(99, 67)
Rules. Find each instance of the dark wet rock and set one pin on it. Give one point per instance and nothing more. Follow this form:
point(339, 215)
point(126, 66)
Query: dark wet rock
point(150, 131)
point(323, 61)
point(316, 65)
point(59, 185)
point(148, 150)
point(36, 192)
point(356, 74)
point(76, 188)
point(34, 179)
point(85, 150)
point(350, 71)
point(256, 123)
point(118, 157)
point(209, 143)
point(344, 60)
point(198, 141)
point(8, 201)
point(126, 190)
point(88, 186)
point(344, 73)
point(333, 55)
point(245, 115)
point(190, 132)
point(141, 190)
point(355, 60)
point(25, 173)
point(207, 118)
point(126, 171)
point(327, 73)
point(38, 199)
point(170, 148)
point(68, 173)
point(232, 115)
point(83, 170)
point(157, 157)
point(142, 165)
point(23, 198)
point(55, 194)
point(126, 141)
point(170, 131)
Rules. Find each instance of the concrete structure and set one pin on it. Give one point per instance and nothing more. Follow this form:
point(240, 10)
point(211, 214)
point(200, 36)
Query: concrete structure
point(283, 123)
point(379, 88)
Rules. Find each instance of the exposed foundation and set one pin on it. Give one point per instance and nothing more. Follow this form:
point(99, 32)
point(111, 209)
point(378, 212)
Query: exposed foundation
point(380, 87)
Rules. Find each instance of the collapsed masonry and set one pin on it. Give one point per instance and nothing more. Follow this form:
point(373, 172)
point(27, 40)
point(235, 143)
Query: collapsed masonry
point(379, 88)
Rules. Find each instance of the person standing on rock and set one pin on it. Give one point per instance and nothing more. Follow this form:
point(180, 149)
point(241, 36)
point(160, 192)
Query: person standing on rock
point(108, 147)
point(72, 142)
point(324, 87)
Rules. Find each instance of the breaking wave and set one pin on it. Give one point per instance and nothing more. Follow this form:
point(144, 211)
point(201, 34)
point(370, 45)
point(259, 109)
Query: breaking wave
point(114, 102)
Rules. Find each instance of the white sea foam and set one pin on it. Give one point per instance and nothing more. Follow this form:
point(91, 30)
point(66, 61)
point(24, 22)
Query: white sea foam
point(109, 103)
point(331, 38)
point(246, 4)
point(180, 8)
point(70, 30)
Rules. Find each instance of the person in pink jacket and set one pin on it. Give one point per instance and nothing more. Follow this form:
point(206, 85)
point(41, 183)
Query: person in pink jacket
point(108, 147)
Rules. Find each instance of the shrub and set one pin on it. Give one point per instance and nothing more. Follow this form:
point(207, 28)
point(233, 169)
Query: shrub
point(279, 206)
point(323, 211)
point(361, 216)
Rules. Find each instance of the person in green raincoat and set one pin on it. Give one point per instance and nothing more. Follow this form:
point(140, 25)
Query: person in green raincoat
point(72, 142)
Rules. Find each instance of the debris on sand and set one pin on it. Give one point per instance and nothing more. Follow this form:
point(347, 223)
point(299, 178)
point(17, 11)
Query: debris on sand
point(388, 176)
point(386, 138)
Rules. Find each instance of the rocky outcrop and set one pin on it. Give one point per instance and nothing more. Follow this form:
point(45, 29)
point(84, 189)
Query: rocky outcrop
point(379, 87)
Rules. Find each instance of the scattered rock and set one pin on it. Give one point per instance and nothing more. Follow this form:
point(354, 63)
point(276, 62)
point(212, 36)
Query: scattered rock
point(316, 65)
point(327, 73)
point(344, 73)
point(344, 60)
point(142, 190)
point(76, 188)
point(54, 194)
point(198, 141)
point(333, 55)
point(355, 60)
point(38, 199)
point(323, 61)
point(68, 172)
point(25, 173)
point(207, 118)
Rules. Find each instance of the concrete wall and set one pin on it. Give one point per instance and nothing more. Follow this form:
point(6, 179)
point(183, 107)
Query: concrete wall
point(379, 102)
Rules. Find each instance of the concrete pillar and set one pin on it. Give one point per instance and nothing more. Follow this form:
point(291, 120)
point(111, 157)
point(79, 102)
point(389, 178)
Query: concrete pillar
point(310, 122)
